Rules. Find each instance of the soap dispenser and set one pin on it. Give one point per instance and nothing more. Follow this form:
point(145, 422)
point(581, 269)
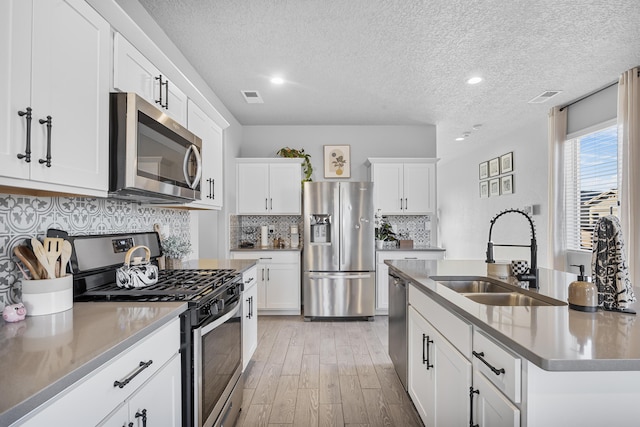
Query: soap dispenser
point(583, 294)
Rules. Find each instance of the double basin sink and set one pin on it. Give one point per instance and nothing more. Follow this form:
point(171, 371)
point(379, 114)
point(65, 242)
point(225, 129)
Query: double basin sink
point(487, 291)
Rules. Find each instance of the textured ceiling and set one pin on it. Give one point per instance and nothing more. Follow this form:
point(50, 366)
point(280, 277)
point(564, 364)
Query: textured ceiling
point(399, 62)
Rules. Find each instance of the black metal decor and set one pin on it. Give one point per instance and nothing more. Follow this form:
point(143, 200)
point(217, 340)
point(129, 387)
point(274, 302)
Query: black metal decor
point(27, 152)
point(48, 159)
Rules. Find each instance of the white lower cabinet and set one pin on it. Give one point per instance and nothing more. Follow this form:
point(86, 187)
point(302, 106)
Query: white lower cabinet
point(491, 408)
point(250, 313)
point(439, 375)
point(382, 272)
point(154, 404)
point(150, 374)
point(278, 277)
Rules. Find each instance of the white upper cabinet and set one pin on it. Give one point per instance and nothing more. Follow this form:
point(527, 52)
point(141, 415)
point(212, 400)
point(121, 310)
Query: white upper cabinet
point(211, 187)
point(269, 187)
point(403, 186)
point(54, 111)
point(133, 72)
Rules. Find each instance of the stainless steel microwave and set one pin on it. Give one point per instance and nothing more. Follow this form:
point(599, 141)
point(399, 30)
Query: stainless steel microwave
point(153, 158)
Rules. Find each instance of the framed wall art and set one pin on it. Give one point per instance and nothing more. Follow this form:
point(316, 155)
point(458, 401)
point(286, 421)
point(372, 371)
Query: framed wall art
point(484, 170)
point(494, 167)
point(506, 163)
point(484, 189)
point(494, 187)
point(506, 184)
point(337, 161)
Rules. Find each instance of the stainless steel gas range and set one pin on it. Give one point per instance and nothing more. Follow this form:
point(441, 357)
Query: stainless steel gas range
point(211, 338)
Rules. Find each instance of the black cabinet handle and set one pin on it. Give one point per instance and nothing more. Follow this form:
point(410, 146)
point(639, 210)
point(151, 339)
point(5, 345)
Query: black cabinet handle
point(249, 313)
point(48, 159)
point(471, 393)
point(406, 204)
point(141, 367)
point(142, 414)
point(400, 203)
point(481, 357)
point(166, 94)
point(27, 151)
point(425, 359)
point(159, 100)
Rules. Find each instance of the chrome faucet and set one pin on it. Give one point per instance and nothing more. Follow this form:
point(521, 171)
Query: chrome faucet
point(532, 276)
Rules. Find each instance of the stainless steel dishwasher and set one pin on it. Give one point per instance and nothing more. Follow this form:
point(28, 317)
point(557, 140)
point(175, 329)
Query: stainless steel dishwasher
point(398, 326)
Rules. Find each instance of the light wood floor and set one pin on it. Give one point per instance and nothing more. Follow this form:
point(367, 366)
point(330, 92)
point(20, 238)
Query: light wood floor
point(323, 373)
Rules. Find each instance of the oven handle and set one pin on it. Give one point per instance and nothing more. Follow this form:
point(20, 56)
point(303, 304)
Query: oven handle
point(233, 311)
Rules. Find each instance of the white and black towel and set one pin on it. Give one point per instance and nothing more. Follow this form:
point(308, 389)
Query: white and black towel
point(609, 265)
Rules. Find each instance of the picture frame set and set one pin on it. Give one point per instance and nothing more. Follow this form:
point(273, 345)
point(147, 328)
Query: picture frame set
point(494, 180)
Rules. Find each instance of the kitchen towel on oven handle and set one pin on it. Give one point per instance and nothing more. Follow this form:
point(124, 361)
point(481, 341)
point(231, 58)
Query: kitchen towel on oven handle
point(139, 274)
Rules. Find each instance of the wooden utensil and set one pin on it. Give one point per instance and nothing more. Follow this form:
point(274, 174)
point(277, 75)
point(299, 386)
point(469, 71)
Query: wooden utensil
point(41, 255)
point(26, 256)
point(53, 247)
point(64, 257)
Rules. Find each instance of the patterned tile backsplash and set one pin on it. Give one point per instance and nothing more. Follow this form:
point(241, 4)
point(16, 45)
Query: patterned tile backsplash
point(26, 216)
point(247, 228)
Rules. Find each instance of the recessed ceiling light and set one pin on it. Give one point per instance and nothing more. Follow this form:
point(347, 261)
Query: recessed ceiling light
point(277, 80)
point(474, 80)
point(460, 138)
point(478, 126)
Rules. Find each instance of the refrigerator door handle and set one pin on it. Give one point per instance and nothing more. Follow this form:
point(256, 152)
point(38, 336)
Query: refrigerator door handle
point(338, 276)
point(342, 227)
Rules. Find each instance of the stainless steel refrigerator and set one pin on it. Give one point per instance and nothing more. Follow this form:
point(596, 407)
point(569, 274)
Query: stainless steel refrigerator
point(339, 257)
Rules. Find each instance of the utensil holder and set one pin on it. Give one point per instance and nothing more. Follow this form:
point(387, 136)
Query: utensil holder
point(47, 296)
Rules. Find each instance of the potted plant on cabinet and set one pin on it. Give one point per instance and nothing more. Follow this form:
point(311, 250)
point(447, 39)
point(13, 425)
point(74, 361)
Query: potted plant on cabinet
point(307, 169)
point(384, 232)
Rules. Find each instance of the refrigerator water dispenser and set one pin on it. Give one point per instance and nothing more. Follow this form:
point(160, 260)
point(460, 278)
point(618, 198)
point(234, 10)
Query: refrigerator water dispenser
point(320, 228)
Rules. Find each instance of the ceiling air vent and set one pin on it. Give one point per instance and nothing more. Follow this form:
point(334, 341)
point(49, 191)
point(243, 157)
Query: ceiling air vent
point(252, 96)
point(544, 96)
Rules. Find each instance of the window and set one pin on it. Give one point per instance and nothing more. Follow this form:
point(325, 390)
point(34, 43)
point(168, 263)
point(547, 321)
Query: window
point(591, 182)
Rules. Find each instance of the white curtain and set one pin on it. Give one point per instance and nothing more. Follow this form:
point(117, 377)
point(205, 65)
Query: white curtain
point(557, 258)
point(629, 144)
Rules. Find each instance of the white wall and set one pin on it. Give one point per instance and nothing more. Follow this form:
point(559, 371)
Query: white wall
point(365, 141)
point(464, 217)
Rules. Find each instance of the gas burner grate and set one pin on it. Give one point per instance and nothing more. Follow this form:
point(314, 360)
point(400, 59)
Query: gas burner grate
point(172, 285)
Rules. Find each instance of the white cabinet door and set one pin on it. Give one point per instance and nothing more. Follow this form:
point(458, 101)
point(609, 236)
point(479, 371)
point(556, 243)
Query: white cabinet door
point(250, 320)
point(269, 187)
point(419, 188)
point(211, 182)
point(283, 286)
point(285, 189)
point(70, 76)
point(133, 72)
point(439, 376)
point(388, 195)
point(491, 407)
point(261, 276)
point(69, 48)
point(382, 287)
point(253, 188)
point(15, 73)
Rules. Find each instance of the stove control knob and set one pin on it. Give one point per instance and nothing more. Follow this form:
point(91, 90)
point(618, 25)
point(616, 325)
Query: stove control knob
point(213, 308)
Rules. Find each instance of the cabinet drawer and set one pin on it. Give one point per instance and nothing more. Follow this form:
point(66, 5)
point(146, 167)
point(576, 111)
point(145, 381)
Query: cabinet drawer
point(382, 256)
point(456, 330)
point(491, 407)
point(498, 357)
point(274, 257)
point(76, 405)
point(249, 278)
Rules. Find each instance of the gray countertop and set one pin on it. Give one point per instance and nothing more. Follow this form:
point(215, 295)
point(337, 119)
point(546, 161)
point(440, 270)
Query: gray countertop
point(267, 248)
point(555, 338)
point(240, 265)
point(42, 355)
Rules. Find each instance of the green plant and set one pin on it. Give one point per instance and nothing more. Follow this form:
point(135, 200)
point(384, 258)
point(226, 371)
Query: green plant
point(307, 169)
point(176, 247)
point(383, 228)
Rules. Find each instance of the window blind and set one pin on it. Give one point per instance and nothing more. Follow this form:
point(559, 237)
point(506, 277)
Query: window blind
point(591, 183)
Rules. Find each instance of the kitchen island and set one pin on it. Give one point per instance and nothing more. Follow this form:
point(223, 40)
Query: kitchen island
point(551, 366)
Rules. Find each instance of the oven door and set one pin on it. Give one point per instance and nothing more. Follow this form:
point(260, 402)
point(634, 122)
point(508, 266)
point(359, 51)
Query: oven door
point(217, 359)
